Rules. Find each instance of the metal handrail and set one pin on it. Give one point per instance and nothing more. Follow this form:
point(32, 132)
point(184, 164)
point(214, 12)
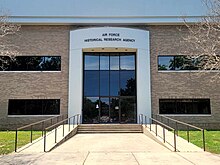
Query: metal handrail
point(141, 116)
point(180, 122)
point(78, 118)
point(186, 124)
point(168, 127)
point(38, 122)
point(31, 126)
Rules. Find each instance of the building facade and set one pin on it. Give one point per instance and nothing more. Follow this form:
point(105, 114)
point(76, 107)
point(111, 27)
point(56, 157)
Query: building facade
point(109, 62)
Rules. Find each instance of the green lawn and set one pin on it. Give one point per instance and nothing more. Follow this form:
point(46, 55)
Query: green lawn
point(212, 139)
point(7, 140)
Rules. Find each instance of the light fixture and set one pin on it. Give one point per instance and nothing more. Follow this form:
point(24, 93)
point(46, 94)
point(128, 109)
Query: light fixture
point(97, 106)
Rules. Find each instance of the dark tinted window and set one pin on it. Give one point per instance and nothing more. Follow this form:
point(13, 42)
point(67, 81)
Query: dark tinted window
point(114, 61)
point(128, 110)
point(165, 63)
point(91, 83)
point(114, 83)
point(34, 107)
point(127, 83)
point(178, 63)
point(184, 106)
point(91, 62)
point(127, 61)
point(91, 110)
point(30, 63)
point(104, 61)
point(104, 83)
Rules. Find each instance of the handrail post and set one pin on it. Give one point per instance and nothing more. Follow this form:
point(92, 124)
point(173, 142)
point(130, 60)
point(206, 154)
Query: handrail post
point(203, 137)
point(174, 140)
point(188, 134)
point(77, 119)
point(63, 128)
point(150, 123)
point(51, 121)
point(69, 124)
point(44, 140)
point(16, 139)
point(156, 128)
point(139, 118)
point(163, 135)
point(73, 121)
point(142, 119)
point(55, 134)
point(145, 118)
point(31, 133)
point(42, 128)
point(176, 129)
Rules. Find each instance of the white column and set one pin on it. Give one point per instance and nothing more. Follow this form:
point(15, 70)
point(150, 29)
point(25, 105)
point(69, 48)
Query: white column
point(75, 82)
point(143, 83)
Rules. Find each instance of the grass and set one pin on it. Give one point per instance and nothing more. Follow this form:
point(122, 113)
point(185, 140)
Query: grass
point(7, 140)
point(212, 139)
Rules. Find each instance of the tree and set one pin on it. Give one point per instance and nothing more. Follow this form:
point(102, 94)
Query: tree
point(7, 47)
point(203, 39)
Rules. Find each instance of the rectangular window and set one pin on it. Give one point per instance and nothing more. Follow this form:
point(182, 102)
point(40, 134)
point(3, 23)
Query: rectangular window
point(34, 107)
point(178, 63)
point(184, 106)
point(30, 63)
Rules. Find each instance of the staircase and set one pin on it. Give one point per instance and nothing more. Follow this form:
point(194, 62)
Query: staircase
point(110, 128)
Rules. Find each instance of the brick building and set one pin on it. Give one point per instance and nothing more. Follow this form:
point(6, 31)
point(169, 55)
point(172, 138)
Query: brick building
point(108, 62)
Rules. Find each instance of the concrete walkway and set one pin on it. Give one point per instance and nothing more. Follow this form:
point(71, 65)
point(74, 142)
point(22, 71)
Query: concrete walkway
point(114, 149)
point(182, 145)
point(37, 146)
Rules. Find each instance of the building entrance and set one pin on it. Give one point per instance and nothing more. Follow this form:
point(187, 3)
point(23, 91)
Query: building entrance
point(109, 88)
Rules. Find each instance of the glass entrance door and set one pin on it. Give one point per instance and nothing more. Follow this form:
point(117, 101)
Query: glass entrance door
point(109, 88)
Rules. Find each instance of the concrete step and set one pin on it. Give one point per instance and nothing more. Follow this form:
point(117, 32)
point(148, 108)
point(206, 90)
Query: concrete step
point(110, 128)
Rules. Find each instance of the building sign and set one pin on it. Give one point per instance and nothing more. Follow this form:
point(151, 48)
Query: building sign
point(106, 37)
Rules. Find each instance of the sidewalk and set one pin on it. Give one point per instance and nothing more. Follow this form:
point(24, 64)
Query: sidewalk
point(111, 149)
point(181, 144)
point(37, 146)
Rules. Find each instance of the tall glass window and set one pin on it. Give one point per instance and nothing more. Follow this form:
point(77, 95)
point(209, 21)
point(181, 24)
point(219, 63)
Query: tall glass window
point(110, 77)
